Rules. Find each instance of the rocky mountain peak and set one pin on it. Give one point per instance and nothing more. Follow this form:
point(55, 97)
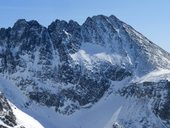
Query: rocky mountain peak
point(23, 23)
point(116, 22)
point(34, 23)
point(68, 66)
point(20, 24)
point(61, 26)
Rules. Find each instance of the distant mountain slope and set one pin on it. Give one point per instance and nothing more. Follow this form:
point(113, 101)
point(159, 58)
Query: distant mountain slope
point(65, 71)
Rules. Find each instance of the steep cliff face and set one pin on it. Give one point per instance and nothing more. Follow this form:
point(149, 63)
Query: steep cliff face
point(68, 67)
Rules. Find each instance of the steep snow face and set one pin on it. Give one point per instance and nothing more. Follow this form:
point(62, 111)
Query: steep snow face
point(24, 120)
point(67, 68)
point(11, 116)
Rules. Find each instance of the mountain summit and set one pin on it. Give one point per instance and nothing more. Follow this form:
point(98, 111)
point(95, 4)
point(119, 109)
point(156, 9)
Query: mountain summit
point(101, 74)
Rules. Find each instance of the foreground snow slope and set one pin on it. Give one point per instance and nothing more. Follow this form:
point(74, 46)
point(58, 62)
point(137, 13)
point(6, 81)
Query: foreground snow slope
point(24, 119)
point(10, 115)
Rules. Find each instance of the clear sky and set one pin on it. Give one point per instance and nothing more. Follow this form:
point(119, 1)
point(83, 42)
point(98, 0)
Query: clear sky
point(150, 17)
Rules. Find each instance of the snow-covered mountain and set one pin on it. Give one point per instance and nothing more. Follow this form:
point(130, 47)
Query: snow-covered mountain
point(101, 74)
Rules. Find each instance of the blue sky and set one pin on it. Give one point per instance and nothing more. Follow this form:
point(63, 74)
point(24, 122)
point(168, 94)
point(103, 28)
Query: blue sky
point(150, 17)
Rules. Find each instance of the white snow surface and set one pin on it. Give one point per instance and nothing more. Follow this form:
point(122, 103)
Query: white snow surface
point(154, 76)
point(24, 119)
point(14, 95)
point(92, 53)
point(110, 109)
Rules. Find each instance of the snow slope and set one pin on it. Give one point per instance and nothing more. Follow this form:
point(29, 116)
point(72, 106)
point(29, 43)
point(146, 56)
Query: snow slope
point(97, 116)
point(14, 95)
point(155, 76)
point(24, 119)
point(112, 108)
